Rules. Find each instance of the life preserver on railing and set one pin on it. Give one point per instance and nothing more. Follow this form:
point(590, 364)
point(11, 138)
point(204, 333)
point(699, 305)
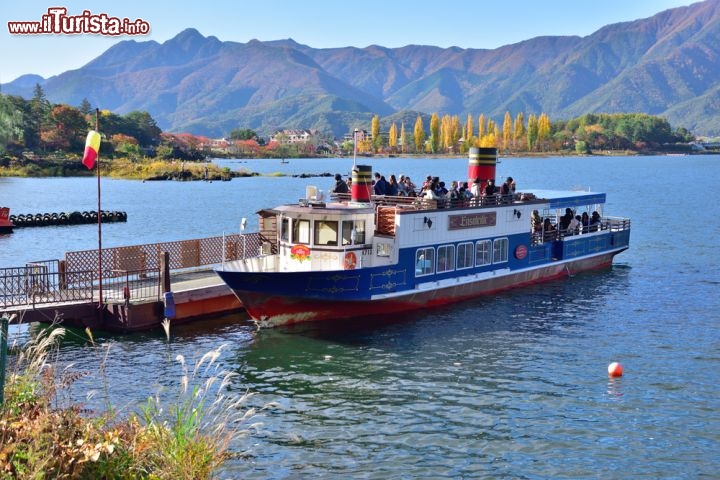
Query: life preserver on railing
point(350, 261)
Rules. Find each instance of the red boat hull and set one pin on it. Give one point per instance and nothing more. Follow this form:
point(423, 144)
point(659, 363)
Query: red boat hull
point(275, 310)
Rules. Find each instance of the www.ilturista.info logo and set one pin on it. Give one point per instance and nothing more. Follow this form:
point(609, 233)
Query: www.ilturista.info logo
point(57, 21)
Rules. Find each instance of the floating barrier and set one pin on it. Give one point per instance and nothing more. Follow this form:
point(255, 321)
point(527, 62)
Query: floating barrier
point(66, 218)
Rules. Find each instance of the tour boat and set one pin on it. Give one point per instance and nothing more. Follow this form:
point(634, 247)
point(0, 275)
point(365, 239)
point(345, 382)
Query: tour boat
point(6, 226)
point(360, 254)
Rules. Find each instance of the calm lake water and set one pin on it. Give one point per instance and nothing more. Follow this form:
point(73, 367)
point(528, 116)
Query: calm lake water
point(509, 386)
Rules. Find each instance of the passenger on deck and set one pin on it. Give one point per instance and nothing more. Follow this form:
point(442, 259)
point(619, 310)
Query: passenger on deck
point(401, 186)
point(536, 221)
point(410, 187)
point(574, 225)
point(565, 219)
point(381, 185)
point(340, 185)
point(453, 195)
point(475, 191)
point(585, 220)
point(548, 230)
point(392, 188)
point(595, 221)
point(490, 188)
point(507, 190)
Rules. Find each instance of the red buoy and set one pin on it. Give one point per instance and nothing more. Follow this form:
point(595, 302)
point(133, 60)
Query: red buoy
point(615, 370)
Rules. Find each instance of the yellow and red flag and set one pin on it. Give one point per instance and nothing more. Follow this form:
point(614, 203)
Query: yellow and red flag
point(92, 147)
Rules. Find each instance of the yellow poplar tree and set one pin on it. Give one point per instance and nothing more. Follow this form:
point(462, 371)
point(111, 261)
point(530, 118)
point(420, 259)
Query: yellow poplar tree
point(435, 133)
point(419, 133)
point(470, 129)
point(455, 131)
point(481, 126)
point(403, 137)
point(507, 130)
point(543, 134)
point(392, 136)
point(375, 132)
point(445, 132)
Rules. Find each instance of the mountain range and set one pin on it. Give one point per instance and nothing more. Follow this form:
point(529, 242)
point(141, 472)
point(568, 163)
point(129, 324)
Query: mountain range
point(666, 65)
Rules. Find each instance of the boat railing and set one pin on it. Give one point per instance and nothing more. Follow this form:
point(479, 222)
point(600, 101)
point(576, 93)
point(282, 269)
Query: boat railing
point(423, 203)
point(608, 224)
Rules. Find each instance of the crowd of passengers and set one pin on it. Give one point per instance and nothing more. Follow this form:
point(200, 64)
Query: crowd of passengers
point(459, 193)
point(569, 224)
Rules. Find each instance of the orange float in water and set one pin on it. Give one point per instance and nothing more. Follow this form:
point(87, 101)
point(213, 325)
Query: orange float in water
point(615, 369)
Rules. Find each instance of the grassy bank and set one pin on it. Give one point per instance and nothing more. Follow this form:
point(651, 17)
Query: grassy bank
point(142, 169)
point(44, 435)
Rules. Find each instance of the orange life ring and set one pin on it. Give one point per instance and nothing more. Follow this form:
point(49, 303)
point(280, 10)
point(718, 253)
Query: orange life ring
point(350, 261)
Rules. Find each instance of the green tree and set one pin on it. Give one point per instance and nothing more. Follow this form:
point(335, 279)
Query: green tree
point(532, 132)
point(518, 129)
point(435, 139)
point(243, 134)
point(10, 123)
point(85, 107)
point(143, 127)
point(38, 117)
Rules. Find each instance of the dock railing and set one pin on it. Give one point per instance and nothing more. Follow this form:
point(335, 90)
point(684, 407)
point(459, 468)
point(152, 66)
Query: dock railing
point(132, 272)
point(43, 283)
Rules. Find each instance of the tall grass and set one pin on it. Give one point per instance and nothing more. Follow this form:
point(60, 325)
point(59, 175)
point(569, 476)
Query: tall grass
point(44, 434)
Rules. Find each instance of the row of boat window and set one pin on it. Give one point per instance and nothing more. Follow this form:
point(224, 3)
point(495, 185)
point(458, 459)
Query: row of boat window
point(465, 255)
point(323, 232)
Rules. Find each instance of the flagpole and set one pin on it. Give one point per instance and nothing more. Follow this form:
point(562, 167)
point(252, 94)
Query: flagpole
point(99, 218)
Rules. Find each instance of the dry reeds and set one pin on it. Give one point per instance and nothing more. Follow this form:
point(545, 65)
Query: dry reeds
point(43, 435)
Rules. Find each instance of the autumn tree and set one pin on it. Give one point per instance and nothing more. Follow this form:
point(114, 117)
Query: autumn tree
point(419, 135)
point(393, 137)
point(403, 138)
point(445, 132)
point(543, 131)
point(507, 130)
point(455, 131)
point(375, 133)
point(66, 128)
point(470, 132)
point(481, 127)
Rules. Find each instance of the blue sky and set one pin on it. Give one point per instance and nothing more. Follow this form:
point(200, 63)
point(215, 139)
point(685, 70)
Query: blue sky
point(319, 24)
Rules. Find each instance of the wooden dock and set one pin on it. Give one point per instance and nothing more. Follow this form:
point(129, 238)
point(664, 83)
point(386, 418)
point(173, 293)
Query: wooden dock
point(172, 280)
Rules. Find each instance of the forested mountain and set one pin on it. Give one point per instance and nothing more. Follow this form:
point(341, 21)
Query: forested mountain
point(666, 65)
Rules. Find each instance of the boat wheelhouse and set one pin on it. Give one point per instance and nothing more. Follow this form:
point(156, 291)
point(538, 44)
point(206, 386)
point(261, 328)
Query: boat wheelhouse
point(367, 255)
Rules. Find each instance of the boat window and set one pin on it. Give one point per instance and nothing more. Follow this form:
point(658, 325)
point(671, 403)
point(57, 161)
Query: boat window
point(285, 230)
point(482, 253)
point(446, 258)
point(500, 250)
point(301, 231)
point(326, 232)
point(384, 249)
point(465, 255)
point(354, 229)
point(424, 261)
